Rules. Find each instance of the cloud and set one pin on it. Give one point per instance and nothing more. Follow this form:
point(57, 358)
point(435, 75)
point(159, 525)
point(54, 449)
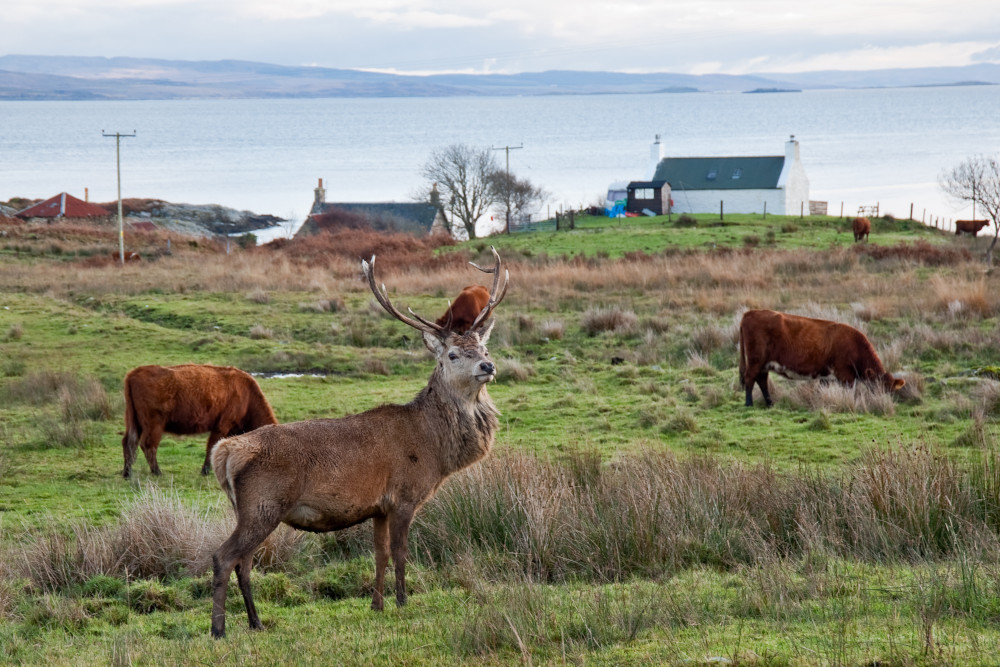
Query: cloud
point(989, 55)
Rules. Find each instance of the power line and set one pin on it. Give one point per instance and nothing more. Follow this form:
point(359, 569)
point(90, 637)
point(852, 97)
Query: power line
point(507, 150)
point(118, 164)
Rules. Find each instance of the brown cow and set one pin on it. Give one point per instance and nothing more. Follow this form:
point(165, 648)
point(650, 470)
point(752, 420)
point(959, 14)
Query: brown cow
point(185, 400)
point(969, 226)
point(130, 256)
point(861, 227)
point(791, 346)
point(461, 314)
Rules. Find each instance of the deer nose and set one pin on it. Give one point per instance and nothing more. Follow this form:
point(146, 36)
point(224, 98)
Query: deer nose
point(487, 367)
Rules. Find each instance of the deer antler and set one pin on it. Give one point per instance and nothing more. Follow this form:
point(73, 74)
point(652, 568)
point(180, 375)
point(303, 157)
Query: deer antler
point(495, 300)
point(382, 295)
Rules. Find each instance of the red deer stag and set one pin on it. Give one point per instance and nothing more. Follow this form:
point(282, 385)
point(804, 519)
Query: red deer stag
point(861, 228)
point(969, 226)
point(792, 346)
point(384, 464)
point(185, 400)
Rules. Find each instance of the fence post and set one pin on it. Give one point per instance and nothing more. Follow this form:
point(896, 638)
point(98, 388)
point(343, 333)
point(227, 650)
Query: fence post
point(721, 215)
point(911, 210)
point(765, 209)
point(802, 210)
point(572, 220)
point(841, 210)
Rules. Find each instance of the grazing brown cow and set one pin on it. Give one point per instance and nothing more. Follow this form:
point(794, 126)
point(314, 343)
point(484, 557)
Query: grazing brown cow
point(461, 314)
point(185, 400)
point(791, 346)
point(130, 256)
point(861, 227)
point(969, 226)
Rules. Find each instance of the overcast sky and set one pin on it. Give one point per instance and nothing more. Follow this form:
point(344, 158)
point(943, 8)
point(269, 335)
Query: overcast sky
point(416, 36)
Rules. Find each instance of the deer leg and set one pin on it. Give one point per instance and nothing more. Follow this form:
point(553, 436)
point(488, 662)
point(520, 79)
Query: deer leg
point(236, 553)
point(399, 535)
point(213, 438)
point(381, 526)
point(243, 579)
point(149, 441)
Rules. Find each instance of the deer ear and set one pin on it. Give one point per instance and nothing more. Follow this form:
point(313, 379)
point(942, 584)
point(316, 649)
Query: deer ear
point(433, 343)
point(484, 332)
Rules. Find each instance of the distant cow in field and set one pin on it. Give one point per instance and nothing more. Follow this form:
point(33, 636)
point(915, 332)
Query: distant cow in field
point(795, 346)
point(130, 256)
point(861, 227)
point(186, 400)
point(969, 226)
point(466, 308)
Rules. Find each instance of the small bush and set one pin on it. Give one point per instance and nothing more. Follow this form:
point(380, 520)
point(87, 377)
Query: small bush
point(618, 320)
point(260, 332)
point(15, 332)
point(685, 220)
point(513, 370)
point(258, 296)
point(552, 329)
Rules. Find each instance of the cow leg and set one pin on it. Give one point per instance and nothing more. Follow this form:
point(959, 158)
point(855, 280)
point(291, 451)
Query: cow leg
point(761, 381)
point(381, 525)
point(213, 438)
point(399, 535)
point(149, 441)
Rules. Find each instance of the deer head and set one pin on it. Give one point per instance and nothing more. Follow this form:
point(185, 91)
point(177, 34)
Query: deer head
point(463, 360)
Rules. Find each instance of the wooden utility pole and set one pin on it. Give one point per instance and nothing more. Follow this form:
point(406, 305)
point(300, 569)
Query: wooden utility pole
point(507, 150)
point(118, 163)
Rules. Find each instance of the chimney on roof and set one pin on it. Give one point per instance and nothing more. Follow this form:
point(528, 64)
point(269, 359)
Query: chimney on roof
point(86, 194)
point(792, 150)
point(320, 193)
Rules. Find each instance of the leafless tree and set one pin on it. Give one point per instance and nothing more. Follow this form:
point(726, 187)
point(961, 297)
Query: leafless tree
point(516, 196)
point(977, 180)
point(464, 175)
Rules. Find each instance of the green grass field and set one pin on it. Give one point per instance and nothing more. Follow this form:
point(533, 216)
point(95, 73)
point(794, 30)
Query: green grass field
point(633, 510)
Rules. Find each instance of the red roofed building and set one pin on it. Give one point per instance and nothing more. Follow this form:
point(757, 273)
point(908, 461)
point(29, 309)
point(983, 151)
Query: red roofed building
point(63, 206)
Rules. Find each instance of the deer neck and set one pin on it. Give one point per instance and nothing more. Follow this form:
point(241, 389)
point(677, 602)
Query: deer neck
point(463, 425)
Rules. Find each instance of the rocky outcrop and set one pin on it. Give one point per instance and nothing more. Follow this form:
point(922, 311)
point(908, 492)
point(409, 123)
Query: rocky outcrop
point(198, 219)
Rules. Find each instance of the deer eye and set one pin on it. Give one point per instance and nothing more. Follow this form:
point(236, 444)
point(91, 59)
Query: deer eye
point(452, 356)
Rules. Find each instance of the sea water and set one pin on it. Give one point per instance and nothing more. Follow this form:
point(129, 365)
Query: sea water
point(859, 147)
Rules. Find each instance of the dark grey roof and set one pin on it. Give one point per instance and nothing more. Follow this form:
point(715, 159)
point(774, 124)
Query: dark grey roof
point(403, 216)
point(645, 184)
point(720, 173)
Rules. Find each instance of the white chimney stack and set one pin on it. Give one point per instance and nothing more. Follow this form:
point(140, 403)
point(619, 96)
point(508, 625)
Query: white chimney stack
point(656, 153)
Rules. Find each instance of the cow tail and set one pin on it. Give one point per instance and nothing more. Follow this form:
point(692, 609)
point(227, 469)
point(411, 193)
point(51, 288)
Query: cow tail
point(132, 425)
point(743, 356)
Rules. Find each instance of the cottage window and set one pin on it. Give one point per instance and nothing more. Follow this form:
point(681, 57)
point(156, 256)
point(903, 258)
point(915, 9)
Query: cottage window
point(644, 193)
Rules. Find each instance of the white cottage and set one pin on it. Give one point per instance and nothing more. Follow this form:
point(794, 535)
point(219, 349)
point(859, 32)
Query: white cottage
point(775, 184)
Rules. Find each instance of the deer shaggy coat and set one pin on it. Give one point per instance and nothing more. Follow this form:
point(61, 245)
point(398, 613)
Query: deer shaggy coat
point(186, 400)
point(792, 345)
point(383, 464)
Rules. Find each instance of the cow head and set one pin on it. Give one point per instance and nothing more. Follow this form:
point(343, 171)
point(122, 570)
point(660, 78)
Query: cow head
point(887, 381)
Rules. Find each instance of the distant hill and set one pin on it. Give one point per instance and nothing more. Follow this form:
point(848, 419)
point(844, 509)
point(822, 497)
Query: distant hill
point(72, 78)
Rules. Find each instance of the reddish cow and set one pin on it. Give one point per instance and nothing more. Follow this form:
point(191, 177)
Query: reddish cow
point(861, 227)
point(792, 346)
point(461, 314)
point(969, 226)
point(185, 400)
point(130, 256)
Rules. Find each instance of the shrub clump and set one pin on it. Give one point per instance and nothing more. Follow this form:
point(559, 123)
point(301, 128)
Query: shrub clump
point(613, 318)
